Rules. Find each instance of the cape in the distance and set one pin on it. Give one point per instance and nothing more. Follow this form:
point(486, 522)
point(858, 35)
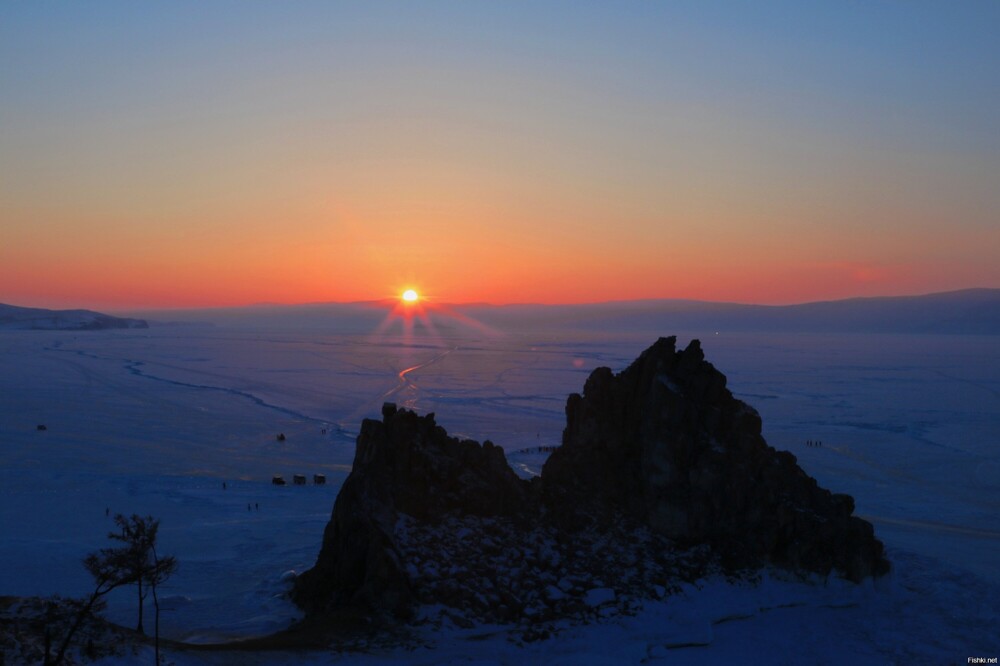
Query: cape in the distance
point(13, 317)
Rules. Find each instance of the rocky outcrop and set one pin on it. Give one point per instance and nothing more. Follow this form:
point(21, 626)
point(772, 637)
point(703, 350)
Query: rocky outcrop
point(662, 474)
point(666, 443)
point(404, 466)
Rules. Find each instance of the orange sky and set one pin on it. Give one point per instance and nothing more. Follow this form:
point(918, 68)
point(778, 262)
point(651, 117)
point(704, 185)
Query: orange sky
point(488, 155)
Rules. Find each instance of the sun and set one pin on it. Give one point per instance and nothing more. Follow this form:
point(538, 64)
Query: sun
point(410, 296)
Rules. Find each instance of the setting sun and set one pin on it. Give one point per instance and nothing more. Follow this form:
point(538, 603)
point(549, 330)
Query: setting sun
point(410, 296)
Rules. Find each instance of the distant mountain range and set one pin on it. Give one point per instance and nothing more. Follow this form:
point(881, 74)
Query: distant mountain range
point(970, 311)
point(13, 317)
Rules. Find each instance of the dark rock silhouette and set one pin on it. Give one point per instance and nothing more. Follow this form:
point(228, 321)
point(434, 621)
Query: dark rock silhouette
point(662, 474)
point(666, 442)
point(405, 464)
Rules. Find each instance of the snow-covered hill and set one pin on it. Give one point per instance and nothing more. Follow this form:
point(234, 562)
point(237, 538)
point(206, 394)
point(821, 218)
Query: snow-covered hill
point(13, 317)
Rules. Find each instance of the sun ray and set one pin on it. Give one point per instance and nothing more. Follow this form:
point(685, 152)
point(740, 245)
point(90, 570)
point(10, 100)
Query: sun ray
point(416, 319)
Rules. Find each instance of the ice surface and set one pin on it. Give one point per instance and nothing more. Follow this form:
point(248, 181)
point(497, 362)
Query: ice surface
point(155, 421)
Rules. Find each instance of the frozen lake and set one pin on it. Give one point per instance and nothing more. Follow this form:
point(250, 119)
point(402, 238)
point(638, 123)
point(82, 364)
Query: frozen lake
point(155, 421)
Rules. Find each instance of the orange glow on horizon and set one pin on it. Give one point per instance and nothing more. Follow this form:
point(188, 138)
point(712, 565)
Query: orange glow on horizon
point(336, 253)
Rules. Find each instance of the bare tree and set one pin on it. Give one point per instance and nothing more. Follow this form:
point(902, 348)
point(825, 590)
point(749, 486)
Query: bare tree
point(145, 568)
point(109, 569)
point(136, 553)
point(134, 562)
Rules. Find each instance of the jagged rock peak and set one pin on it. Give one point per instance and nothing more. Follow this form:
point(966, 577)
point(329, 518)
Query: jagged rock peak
point(666, 442)
point(424, 473)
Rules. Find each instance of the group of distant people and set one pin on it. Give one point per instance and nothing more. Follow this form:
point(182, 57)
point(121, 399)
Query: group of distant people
point(250, 507)
point(814, 442)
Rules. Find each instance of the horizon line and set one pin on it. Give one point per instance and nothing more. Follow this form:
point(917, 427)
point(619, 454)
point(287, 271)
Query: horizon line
point(488, 304)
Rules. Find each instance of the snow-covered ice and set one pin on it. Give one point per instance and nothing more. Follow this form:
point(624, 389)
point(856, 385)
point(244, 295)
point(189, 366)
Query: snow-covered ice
point(155, 421)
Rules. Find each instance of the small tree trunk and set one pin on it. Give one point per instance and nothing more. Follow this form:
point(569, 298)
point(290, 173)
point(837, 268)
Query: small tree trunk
point(80, 617)
point(139, 587)
point(156, 635)
point(156, 607)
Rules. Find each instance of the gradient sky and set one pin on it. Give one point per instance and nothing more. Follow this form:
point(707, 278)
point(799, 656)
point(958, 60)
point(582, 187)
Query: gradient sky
point(188, 154)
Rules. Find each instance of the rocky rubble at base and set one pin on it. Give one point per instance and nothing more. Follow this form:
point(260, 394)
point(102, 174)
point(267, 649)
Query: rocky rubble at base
point(662, 476)
point(495, 571)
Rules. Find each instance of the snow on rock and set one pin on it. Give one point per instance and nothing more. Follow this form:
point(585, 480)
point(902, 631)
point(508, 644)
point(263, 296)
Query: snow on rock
point(599, 596)
point(553, 594)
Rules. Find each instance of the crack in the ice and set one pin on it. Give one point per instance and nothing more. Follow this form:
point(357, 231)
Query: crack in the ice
point(133, 367)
